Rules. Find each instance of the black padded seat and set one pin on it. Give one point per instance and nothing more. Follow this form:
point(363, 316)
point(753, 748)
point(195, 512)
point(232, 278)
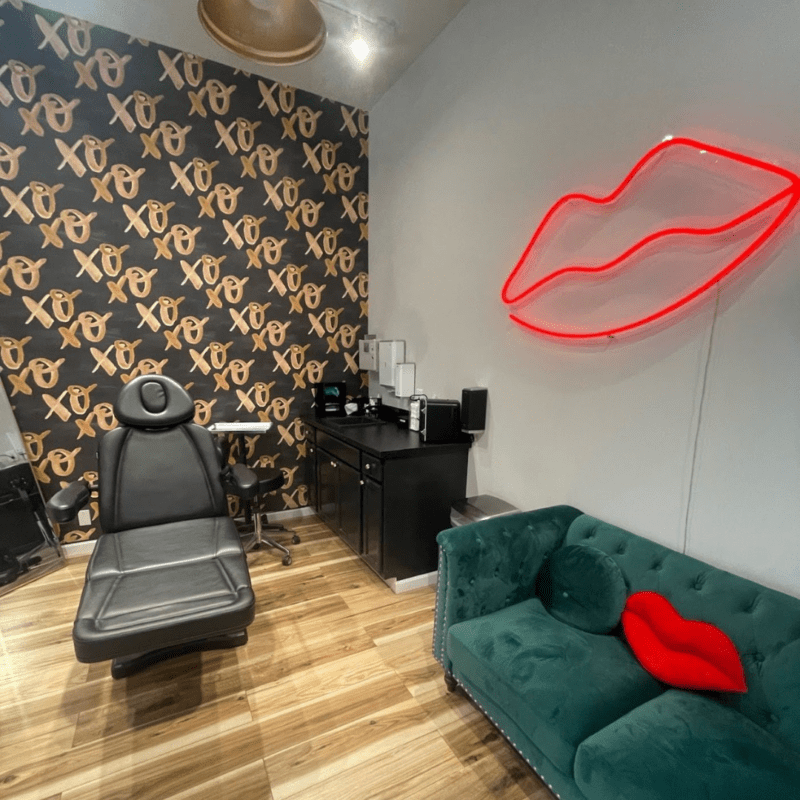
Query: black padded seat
point(269, 480)
point(163, 585)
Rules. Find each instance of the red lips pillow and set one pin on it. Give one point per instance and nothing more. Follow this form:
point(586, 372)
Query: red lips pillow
point(684, 653)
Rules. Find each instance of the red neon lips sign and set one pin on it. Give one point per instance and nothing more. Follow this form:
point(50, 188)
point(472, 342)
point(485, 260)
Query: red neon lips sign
point(683, 219)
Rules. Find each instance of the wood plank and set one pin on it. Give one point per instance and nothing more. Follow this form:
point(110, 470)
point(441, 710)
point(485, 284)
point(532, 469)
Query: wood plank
point(400, 625)
point(54, 669)
point(179, 706)
point(49, 732)
point(396, 773)
point(40, 771)
point(453, 785)
point(37, 618)
point(296, 690)
point(411, 657)
point(406, 603)
point(299, 769)
point(328, 713)
point(250, 782)
point(165, 774)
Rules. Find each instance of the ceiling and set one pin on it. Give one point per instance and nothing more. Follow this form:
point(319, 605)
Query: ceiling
point(397, 31)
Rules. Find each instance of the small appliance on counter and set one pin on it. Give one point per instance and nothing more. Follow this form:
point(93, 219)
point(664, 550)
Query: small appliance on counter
point(330, 398)
point(414, 411)
point(357, 406)
point(436, 420)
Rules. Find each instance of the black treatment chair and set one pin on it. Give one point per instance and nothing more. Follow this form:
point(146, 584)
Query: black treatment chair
point(168, 575)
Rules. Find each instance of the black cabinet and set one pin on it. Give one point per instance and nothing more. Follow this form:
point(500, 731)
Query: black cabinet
point(418, 493)
point(339, 493)
point(349, 506)
point(385, 493)
point(327, 489)
point(310, 468)
point(372, 523)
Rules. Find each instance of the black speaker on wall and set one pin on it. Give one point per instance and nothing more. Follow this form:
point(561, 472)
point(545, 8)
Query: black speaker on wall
point(473, 409)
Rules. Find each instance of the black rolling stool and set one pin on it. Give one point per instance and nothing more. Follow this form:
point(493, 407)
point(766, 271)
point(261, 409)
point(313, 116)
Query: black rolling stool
point(269, 480)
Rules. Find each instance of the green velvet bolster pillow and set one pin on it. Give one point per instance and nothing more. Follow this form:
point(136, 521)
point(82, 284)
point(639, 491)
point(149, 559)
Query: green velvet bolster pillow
point(583, 587)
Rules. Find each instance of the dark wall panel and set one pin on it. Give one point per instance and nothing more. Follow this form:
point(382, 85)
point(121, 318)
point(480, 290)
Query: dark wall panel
point(164, 213)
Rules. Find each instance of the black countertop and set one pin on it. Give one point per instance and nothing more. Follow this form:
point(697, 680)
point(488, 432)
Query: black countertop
point(385, 440)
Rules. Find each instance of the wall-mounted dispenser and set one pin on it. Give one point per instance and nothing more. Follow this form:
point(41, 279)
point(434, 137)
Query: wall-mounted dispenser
point(390, 354)
point(404, 379)
point(368, 353)
point(473, 409)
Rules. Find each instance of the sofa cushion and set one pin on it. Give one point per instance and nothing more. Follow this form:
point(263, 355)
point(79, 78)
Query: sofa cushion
point(583, 587)
point(682, 744)
point(558, 683)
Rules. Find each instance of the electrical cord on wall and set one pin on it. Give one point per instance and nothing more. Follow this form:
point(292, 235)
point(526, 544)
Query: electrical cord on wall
point(699, 423)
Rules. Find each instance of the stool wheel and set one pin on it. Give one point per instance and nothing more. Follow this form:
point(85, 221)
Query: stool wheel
point(295, 539)
point(287, 560)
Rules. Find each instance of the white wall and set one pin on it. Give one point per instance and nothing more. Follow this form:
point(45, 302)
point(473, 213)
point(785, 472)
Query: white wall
point(517, 103)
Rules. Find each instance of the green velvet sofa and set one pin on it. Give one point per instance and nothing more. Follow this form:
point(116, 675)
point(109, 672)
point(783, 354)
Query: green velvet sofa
point(578, 706)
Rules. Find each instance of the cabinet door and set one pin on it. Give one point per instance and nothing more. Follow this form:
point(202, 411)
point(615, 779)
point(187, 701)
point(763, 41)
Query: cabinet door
point(372, 523)
point(311, 476)
point(349, 505)
point(327, 489)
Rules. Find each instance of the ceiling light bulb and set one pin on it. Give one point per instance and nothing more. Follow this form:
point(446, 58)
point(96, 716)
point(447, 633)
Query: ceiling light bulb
point(360, 48)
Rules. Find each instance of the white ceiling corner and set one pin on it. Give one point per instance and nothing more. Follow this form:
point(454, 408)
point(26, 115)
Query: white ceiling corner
point(397, 31)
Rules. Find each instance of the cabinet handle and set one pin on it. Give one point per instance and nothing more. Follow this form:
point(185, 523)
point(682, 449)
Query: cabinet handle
point(368, 466)
point(362, 482)
point(334, 464)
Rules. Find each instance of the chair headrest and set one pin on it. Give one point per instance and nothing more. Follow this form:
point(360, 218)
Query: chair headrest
point(153, 401)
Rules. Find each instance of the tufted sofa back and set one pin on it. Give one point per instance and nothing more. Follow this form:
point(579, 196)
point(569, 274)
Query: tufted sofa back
point(763, 624)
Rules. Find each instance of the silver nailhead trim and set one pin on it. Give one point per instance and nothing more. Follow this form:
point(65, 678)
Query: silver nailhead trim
point(509, 740)
point(438, 656)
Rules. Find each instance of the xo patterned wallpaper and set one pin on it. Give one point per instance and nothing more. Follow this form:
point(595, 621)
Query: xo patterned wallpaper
point(161, 213)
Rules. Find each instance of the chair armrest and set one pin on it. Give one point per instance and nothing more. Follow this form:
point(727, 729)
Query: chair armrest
point(64, 505)
point(489, 565)
point(240, 480)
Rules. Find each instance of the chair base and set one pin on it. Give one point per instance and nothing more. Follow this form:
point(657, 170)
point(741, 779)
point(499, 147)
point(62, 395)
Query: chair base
point(125, 666)
point(260, 540)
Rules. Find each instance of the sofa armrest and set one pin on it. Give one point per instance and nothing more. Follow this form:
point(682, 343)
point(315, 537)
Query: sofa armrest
point(489, 565)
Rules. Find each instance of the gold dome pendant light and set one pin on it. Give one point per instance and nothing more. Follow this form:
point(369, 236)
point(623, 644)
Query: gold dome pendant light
point(276, 32)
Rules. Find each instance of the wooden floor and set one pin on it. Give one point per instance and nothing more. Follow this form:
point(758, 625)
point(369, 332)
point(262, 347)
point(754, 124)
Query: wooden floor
point(336, 696)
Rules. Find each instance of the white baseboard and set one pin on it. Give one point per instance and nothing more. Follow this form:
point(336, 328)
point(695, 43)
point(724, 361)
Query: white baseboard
point(78, 549)
point(415, 582)
point(279, 516)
